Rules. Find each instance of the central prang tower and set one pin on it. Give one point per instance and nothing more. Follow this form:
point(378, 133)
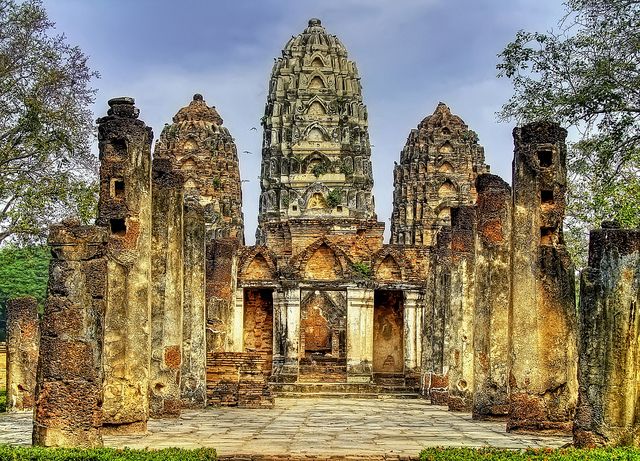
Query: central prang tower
point(316, 156)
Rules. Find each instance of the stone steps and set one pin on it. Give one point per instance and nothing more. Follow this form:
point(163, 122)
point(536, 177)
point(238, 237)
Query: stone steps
point(343, 390)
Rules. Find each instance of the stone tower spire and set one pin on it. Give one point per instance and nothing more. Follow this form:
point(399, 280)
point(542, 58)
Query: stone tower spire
point(437, 170)
point(205, 153)
point(316, 152)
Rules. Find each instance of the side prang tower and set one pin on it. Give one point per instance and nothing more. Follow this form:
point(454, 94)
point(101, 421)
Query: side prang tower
point(437, 171)
point(316, 156)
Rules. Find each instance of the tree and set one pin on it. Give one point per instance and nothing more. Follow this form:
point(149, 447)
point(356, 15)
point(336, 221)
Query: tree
point(586, 76)
point(23, 272)
point(47, 170)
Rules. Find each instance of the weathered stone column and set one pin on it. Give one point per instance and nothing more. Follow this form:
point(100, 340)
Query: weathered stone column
point(194, 348)
point(236, 343)
point(68, 409)
point(23, 337)
point(543, 348)
point(462, 306)
point(166, 290)
point(609, 367)
point(435, 363)
point(413, 304)
point(286, 335)
point(493, 294)
point(125, 210)
point(360, 306)
point(221, 275)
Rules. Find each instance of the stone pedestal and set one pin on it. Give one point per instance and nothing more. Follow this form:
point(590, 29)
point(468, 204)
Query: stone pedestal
point(609, 367)
point(360, 304)
point(23, 337)
point(68, 409)
point(493, 294)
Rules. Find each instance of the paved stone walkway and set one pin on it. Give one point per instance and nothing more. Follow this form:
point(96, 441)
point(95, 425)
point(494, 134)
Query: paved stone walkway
point(326, 427)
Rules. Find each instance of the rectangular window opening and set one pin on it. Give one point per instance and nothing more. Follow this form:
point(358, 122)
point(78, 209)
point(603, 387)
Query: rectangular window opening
point(546, 197)
point(545, 158)
point(547, 235)
point(118, 226)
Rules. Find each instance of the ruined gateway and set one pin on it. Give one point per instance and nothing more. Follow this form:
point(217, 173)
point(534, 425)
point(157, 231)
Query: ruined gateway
point(160, 306)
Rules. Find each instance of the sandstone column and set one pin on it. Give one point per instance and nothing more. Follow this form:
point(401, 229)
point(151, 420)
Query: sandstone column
point(493, 293)
point(166, 290)
point(543, 350)
point(125, 210)
point(413, 306)
point(462, 305)
point(360, 307)
point(68, 409)
point(609, 367)
point(23, 337)
point(194, 374)
point(221, 276)
point(435, 362)
point(286, 334)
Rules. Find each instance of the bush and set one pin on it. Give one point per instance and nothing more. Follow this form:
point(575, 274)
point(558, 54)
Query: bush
point(104, 454)
point(544, 454)
point(3, 400)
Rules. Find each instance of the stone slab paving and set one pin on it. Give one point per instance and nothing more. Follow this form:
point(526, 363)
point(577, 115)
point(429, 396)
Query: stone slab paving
point(327, 427)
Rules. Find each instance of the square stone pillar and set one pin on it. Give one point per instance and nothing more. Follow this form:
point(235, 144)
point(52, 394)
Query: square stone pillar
point(608, 411)
point(69, 390)
point(413, 306)
point(360, 304)
point(124, 209)
point(23, 337)
point(236, 340)
point(194, 348)
point(166, 290)
point(286, 334)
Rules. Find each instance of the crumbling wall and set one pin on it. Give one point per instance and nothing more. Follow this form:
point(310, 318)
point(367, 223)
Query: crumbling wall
point(166, 289)
point(194, 349)
point(23, 337)
point(608, 369)
point(237, 379)
point(459, 324)
point(543, 348)
point(493, 294)
point(124, 209)
point(69, 379)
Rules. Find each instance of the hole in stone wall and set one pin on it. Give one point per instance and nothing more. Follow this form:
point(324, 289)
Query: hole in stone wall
point(117, 188)
point(294, 208)
point(454, 217)
point(119, 144)
point(547, 235)
point(545, 158)
point(546, 197)
point(118, 226)
point(339, 208)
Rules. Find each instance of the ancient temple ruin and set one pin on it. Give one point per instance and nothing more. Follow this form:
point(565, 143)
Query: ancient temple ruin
point(470, 305)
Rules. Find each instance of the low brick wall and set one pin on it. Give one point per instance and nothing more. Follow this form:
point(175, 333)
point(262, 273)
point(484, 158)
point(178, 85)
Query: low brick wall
point(237, 379)
point(3, 365)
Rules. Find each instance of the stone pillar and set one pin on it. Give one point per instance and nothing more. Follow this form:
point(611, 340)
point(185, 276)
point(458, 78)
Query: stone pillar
point(435, 365)
point(166, 290)
point(609, 366)
point(360, 334)
point(236, 342)
point(221, 276)
point(413, 305)
point(493, 294)
point(125, 210)
point(462, 306)
point(23, 337)
point(543, 349)
point(68, 408)
point(194, 348)
point(286, 335)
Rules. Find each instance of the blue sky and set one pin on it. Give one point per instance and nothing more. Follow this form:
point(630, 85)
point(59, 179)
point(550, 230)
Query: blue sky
point(411, 54)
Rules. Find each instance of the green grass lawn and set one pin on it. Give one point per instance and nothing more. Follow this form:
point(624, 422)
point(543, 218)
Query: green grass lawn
point(568, 454)
point(104, 454)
